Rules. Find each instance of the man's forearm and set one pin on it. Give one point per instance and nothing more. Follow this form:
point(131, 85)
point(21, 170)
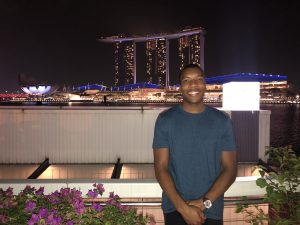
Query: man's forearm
point(167, 184)
point(223, 182)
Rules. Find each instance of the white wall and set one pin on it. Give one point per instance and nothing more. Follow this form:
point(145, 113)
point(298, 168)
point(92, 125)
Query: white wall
point(97, 135)
point(94, 135)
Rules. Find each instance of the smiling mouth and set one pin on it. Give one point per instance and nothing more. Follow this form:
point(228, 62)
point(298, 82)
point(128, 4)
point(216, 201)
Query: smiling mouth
point(193, 93)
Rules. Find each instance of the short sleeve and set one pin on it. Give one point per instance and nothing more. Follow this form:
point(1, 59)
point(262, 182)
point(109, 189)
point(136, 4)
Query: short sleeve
point(227, 137)
point(160, 139)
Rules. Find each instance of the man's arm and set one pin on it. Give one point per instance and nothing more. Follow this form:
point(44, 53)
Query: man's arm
point(224, 181)
point(191, 215)
point(227, 176)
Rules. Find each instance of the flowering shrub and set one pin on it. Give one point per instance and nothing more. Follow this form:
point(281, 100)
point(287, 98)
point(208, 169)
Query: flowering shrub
point(282, 189)
point(66, 206)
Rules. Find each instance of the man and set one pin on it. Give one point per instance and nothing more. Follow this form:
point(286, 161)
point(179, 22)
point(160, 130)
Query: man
point(194, 156)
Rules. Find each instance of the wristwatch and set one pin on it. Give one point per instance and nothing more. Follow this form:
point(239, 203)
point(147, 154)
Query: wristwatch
point(207, 203)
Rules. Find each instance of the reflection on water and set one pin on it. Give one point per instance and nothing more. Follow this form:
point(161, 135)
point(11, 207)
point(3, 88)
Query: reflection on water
point(285, 125)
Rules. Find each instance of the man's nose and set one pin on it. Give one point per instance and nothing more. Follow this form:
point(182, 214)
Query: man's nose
point(194, 83)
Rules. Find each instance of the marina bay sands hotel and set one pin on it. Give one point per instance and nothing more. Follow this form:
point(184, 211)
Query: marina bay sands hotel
point(190, 50)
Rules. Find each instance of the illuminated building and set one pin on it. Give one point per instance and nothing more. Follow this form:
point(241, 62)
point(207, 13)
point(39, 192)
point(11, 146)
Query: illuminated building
point(189, 50)
point(270, 85)
point(161, 62)
point(157, 54)
point(195, 47)
point(117, 64)
point(150, 60)
point(183, 51)
point(32, 86)
point(38, 90)
point(124, 63)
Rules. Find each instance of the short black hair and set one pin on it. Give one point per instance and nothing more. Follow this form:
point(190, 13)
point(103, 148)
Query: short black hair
point(189, 66)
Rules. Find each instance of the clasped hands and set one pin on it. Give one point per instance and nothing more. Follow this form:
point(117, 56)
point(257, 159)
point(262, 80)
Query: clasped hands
point(193, 212)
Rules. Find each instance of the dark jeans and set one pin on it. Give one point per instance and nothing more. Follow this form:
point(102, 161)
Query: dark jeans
point(174, 218)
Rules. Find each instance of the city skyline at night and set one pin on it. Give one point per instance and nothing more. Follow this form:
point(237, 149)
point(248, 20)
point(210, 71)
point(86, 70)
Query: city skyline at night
point(57, 42)
point(190, 49)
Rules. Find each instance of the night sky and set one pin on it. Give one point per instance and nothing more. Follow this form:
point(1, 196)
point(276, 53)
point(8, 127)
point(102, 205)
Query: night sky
point(55, 41)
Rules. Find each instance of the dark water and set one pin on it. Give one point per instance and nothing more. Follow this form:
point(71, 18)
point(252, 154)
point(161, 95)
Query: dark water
point(285, 125)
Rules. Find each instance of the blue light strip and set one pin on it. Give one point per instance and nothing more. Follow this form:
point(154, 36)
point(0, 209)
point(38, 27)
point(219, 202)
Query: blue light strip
point(245, 77)
point(238, 77)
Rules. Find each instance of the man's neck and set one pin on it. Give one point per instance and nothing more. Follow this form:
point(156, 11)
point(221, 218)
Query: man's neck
point(193, 108)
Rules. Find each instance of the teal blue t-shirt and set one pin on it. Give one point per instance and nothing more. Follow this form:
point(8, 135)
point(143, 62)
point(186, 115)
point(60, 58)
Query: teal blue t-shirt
point(195, 143)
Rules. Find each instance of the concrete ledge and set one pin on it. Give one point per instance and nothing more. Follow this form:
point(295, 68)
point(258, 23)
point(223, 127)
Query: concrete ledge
point(125, 188)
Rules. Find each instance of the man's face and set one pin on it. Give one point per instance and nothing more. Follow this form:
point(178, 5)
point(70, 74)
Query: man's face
point(192, 86)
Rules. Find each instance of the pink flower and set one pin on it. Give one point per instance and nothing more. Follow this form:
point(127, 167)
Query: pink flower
point(79, 207)
point(65, 206)
point(34, 219)
point(29, 206)
point(92, 194)
point(9, 192)
point(43, 213)
point(53, 219)
point(40, 191)
point(28, 189)
point(100, 188)
point(3, 219)
point(97, 207)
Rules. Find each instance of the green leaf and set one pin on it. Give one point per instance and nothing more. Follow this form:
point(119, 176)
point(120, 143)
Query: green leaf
point(261, 182)
point(273, 175)
point(281, 187)
point(281, 178)
point(240, 208)
point(262, 173)
point(269, 190)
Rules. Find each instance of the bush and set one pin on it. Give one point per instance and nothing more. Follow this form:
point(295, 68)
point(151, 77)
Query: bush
point(281, 181)
point(66, 206)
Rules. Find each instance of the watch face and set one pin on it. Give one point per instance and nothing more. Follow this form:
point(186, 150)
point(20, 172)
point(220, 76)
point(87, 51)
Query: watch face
point(207, 204)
